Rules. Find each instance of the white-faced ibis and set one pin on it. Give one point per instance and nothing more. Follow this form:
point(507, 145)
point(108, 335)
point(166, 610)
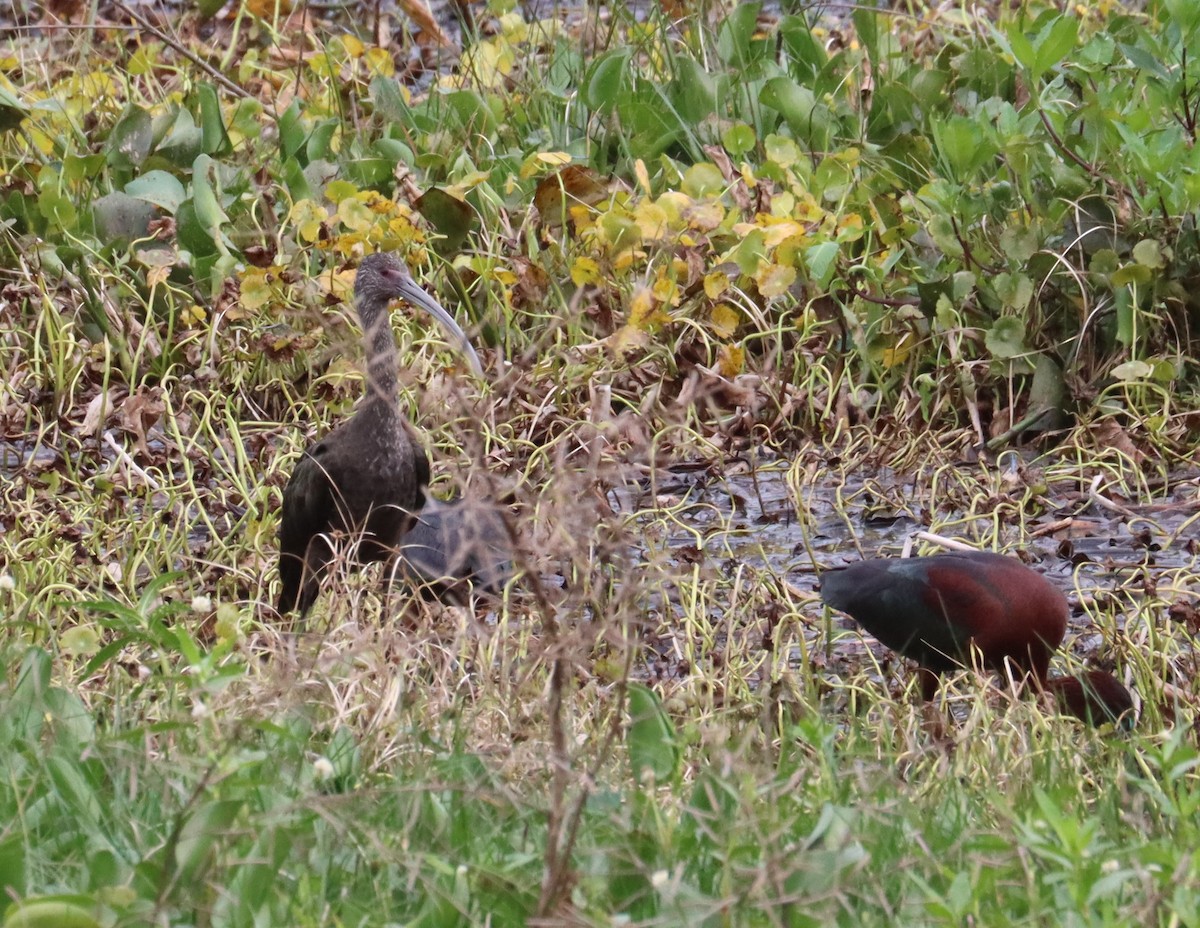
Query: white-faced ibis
point(457, 547)
point(364, 481)
point(935, 609)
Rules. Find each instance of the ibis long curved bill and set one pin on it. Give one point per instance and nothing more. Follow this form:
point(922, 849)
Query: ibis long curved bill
point(416, 295)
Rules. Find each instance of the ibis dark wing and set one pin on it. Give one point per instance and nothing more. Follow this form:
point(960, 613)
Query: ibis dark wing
point(309, 510)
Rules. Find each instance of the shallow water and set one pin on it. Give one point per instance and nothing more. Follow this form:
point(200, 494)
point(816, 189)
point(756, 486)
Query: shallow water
point(753, 520)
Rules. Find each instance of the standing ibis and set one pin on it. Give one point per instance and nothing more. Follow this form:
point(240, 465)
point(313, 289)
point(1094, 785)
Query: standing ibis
point(935, 609)
point(363, 483)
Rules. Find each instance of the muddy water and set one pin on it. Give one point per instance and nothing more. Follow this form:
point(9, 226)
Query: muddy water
point(1106, 563)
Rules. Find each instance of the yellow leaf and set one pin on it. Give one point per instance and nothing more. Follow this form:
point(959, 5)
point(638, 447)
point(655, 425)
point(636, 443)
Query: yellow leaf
point(641, 308)
point(628, 338)
point(194, 315)
point(554, 158)
point(585, 271)
point(783, 203)
point(267, 9)
point(703, 179)
point(380, 63)
point(715, 283)
point(850, 227)
point(156, 275)
point(624, 260)
point(618, 229)
point(704, 217)
point(896, 354)
point(338, 283)
point(355, 215)
point(255, 290)
point(307, 217)
point(642, 175)
point(724, 320)
point(338, 190)
point(731, 361)
point(489, 62)
point(514, 27)
point(774, 279)
point(778, 231)
point(808, 210)
point(651, 220)
point(353, 45)
point(666, 291)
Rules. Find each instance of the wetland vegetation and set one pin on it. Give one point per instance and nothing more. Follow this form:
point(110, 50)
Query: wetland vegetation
point(757, 293)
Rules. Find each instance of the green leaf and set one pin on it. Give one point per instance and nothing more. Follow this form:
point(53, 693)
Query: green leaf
point(208, 209)
point(1133, 371)
point(809, 119)
point(451, 217)
point(652, 741)
point(962, 143)
point(58, 911)
point(738, 139)
point(748, 252)
point(608, 80)
point(191, 233)
point(1149, 253)
point(736, 45)
point(703, 180)
point(1185, 14)
point(345, 754)
point(1048, 391)
point(215, 139)
point(12, 866)
point(1022, 48)
point(54, 205)
point(74, 788)
point(1135, 274)
point(1019, 243)
point(1005, 340)
point(389, 101)
point(78, 168)
point(1014, 290)
point(201, 833)
point(129, 142)
point(120, 217)
point(292, 131)
point(693, 91)
point(782, 151)
point(319, 143)
point(474, 113)
point(821, 260)
point(158, 187)
point(1054, 43)
point(183, 141)
point(804, 52)
point(12, 110)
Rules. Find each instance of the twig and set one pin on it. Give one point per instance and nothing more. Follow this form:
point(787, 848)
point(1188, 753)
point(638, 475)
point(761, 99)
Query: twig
point(1104, 502)
point(190, 56)
point(948, 543)
point(124, 458)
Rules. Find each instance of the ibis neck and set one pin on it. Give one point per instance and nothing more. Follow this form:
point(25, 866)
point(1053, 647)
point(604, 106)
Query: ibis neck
point(381, 362)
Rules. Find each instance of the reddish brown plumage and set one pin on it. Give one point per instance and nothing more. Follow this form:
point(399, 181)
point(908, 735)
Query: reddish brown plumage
point(1095, 697)
point(935, 609)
